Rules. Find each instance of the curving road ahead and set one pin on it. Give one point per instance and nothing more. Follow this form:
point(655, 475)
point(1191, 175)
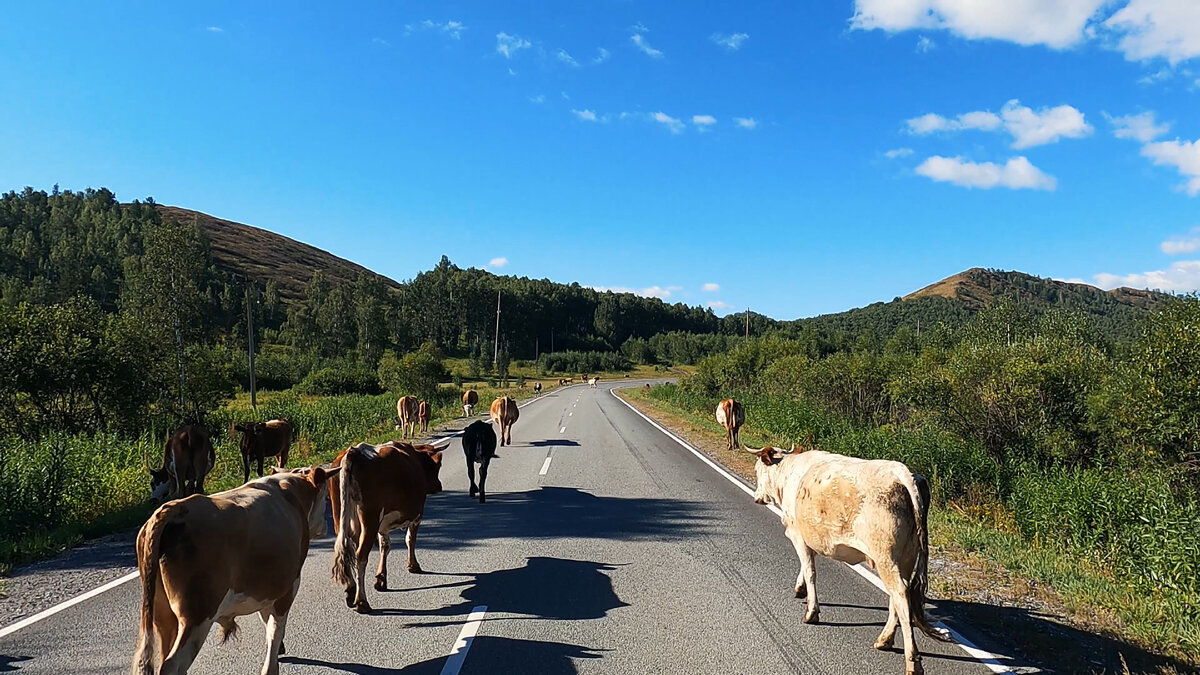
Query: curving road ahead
point(604, 547)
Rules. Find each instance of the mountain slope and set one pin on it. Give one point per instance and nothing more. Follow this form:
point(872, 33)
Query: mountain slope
point(265, 256)
point(977, 288)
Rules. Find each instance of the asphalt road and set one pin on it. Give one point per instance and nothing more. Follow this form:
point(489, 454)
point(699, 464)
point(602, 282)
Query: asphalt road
point(625, 554)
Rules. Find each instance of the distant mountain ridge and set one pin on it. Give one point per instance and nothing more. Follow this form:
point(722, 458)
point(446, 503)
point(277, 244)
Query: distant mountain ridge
point(978, 287)
point(265, 256)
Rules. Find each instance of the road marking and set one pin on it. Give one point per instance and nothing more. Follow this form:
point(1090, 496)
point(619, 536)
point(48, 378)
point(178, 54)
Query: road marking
point(458, 655)
point(988, 659)
point(562, 430)
point(66, 605)
point(570, 414)
point(545, 466)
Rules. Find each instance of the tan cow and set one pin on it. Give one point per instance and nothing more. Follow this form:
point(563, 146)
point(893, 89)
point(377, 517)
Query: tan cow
point(505, 413)
point(592, 381)
point(272, 438)
point(730, 415)
point(209, 559)
point(855, 510)
point(407, 409)
point(423, 415)
point(470, 398)
point(187, 459)
point(382, 488)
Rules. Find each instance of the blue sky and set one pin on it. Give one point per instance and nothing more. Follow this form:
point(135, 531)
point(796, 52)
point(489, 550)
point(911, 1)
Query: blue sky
point(796, 158)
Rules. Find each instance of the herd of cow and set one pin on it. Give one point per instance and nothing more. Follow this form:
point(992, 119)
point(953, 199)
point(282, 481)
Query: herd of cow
point(207, 559)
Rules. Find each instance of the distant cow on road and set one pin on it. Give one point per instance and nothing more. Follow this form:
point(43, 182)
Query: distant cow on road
point(537, 387)
point(730, 415)
point(423, 415)
point(210, 559)
point(505, 413)
point(592, 382)
point(479, 446)
point(470, 398)
point(407, 409)
point(855, 510)
point(381, 488)
point(187, 459)
point(265, 439)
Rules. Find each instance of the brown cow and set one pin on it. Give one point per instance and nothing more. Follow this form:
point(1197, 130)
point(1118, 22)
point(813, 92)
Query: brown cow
point(537, 387)
point(855, 510)
point(382, 488)
point(265, 439)
point(187, 459)
point(505, 413)
point(210, 559)
point(730, 415)
point(470, 398)
point(423, 415)
point(407, 409)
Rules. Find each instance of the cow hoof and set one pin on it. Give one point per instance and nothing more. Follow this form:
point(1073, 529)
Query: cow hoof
point(473, 491)
point(882, 644)
point(482, 499)
point(802, 591)
point(362, 607)
point(380, 583)
point(914, 668)
point(282, 649)
point(415, 569)
point(812, 617)
point(351, 593)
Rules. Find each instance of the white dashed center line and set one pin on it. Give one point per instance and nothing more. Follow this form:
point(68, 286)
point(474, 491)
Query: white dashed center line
point(562, 430)
point(545, 466)
point(458, 655)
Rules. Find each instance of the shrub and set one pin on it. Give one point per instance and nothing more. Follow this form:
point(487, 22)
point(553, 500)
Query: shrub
point(334, 381)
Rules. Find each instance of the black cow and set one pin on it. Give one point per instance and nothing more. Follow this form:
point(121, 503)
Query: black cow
point(479, 445)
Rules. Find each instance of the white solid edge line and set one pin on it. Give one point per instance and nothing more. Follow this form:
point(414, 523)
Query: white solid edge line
point(458, 654)
point(988, 659)
point(66, 604)
point(8, 630)
point(545, 466)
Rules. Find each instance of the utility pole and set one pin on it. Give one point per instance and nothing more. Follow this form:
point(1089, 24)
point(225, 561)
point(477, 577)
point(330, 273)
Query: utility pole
point(747, 322)
point(552, 339)
point(250, 343)
point(496, 347)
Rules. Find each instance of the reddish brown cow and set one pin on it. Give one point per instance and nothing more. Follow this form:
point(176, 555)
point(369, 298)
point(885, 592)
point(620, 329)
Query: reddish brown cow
point(187, 459)
point(210, 559)
point(406, 409)
point(470, 398)
point(382, 488)
point(423, 415)
point(505, 413)
point(730, 415)
point(265, 439)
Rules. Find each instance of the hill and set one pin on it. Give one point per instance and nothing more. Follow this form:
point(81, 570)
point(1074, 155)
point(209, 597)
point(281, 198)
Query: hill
point(263, 256)
point(955, 299)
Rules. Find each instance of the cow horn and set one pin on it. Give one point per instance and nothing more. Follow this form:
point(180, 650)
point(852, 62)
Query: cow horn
point(752, 450)
point(792, 450)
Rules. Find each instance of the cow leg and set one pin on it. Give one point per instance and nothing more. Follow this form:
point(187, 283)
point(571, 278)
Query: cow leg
point(385, 545)
point(245, 468)
point(365, 540)
point(165, 624)
point(898, 596)
point(888, 637)
point(283, 457)
point(471, 475)
point(188, 642)
point(275, 625)
point(806, 583)
point(260, 466)
point(410, 540)
point(483, 467)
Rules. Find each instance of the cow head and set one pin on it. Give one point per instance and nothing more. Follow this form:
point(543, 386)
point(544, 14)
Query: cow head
point(160, 484)
point(250, 430)
point(432, 468)
point(768, 478)
point(316, 477)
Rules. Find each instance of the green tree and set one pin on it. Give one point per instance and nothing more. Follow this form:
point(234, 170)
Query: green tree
point(417, 373)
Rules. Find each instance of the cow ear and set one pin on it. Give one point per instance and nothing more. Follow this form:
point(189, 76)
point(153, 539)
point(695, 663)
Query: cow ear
point(320, 474)
point(437, 457)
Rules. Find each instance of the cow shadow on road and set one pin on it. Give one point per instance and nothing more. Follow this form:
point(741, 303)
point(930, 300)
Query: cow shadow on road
point(455, 521)
point(553, 443)
point(10, 664)
point(487, 655)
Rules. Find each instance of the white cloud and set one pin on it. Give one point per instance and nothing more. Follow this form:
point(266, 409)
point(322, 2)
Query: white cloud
point(925, 45)
point(746, 122)
point(898, 152)
point(1181, 277)
point(660, 292)
point(718, 304)
point(1140, 127)
point(711, 288)
point(1018, 173)
point(497, 263)
point(215, 29)
point(539, 99)
point(602, 55)
point(1027, 126)
point(732, 41)
point(1169, 29)
point(510, 44)
point(1182, 155)
point(1055, 23)
point(671, 123)
point(639, 40)
point(451, 29)
point(1181, 245)
point(381, 42)
point(703, 122)
point(585, 115)
point(567, 58)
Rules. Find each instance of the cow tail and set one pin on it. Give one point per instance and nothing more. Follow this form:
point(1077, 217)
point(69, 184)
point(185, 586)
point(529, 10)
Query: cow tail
point(918, 585)
point(148, 551)
point(344, 556)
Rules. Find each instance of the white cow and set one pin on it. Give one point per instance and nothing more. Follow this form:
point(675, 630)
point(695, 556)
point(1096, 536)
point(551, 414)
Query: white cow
point(855, 510)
